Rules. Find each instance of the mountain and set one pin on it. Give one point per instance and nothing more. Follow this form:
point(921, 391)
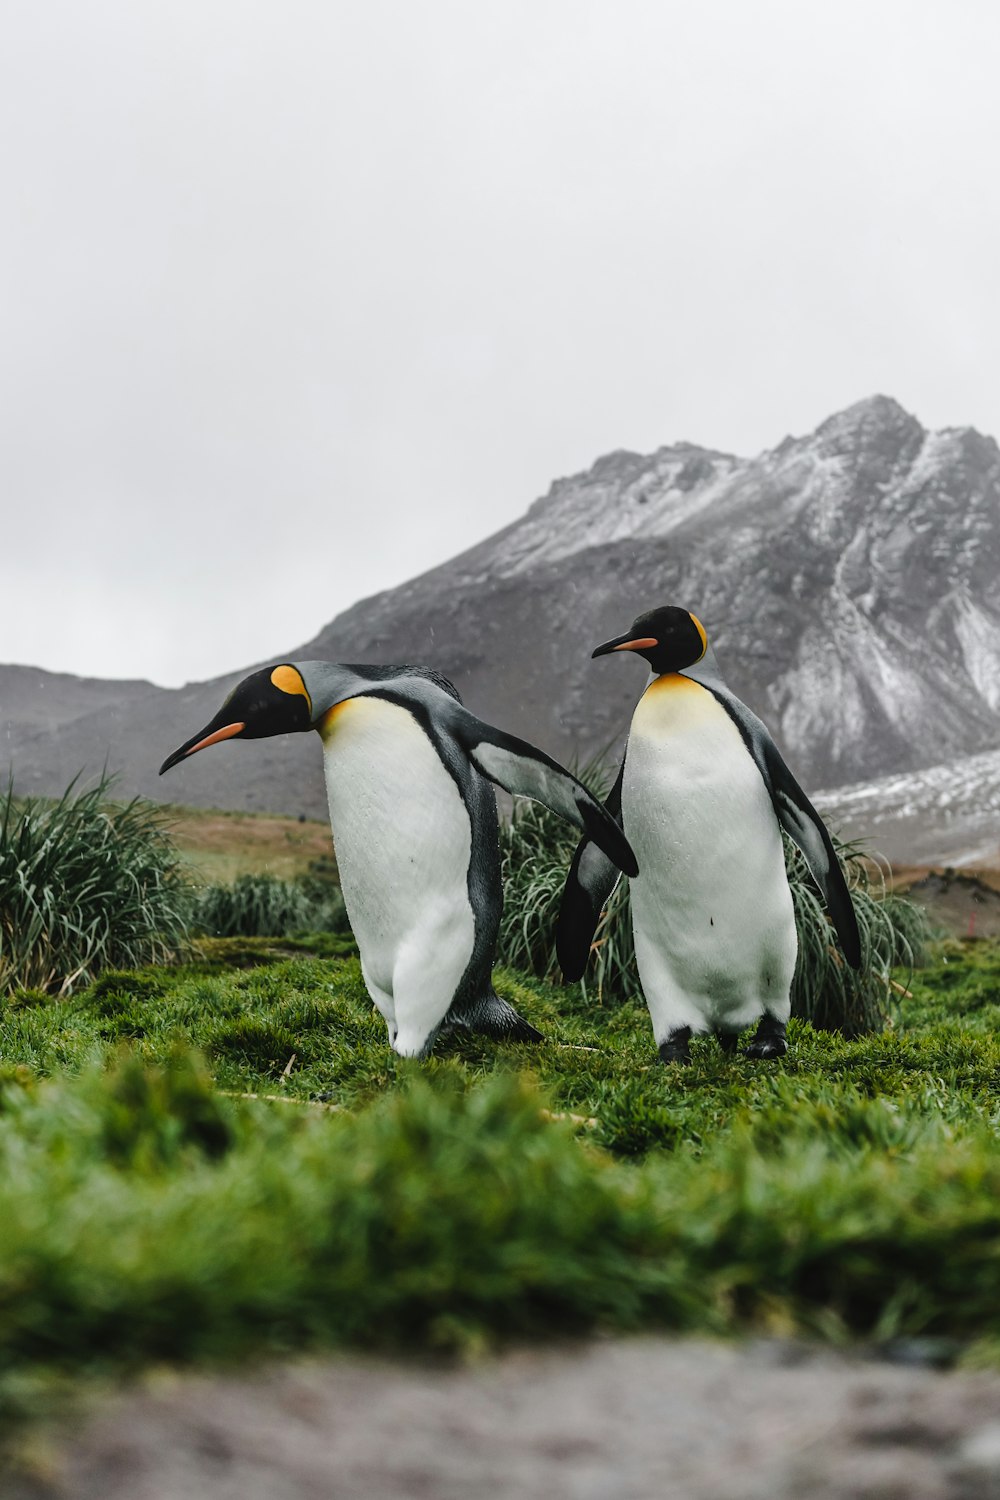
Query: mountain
point(939, 815)
point(850, 580)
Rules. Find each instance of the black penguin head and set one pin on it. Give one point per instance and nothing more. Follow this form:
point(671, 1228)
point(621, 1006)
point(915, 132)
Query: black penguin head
point(274, 700)
point(669, 638)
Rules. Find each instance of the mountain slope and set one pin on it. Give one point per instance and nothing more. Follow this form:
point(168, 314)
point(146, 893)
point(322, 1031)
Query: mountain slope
point(850, 580)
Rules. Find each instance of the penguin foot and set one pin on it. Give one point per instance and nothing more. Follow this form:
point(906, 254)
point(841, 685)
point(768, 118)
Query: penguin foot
point(769, 1039)
point(766, 1049)
point(494, 1018)
point(676, 1048)
point(519, 1030)
point(728, 1041)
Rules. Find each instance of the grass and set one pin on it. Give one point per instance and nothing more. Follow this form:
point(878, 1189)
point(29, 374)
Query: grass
point(262, 905)
point(85, 884)
point(89, 884)
point(221, 1158)
point(152, 1211)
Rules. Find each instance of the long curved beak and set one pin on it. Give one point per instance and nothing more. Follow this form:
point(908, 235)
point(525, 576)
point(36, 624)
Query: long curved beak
point(208, 736)
point(625, 643)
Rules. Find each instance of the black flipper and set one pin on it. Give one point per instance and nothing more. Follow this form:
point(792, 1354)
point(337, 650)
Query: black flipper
point(806, 828)
point(798, 818)
point(526, 771)
point(591, 879)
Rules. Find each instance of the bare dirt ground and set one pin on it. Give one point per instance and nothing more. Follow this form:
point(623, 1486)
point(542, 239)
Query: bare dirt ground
point(963, 903)
point(608, 1420)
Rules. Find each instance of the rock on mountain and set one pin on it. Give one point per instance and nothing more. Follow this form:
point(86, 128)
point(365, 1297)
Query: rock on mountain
point(850, 580)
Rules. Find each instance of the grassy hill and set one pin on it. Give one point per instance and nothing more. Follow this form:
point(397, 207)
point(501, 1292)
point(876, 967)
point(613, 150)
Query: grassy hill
point(221, 845)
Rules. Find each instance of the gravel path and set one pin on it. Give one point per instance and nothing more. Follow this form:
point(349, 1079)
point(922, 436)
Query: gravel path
point(614, 1420)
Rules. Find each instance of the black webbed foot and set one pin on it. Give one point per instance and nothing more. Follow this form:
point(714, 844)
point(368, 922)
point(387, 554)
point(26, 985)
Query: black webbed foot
point(490, 1016)
point(676, 1048)
point(728, 1041)
point(769, 1039)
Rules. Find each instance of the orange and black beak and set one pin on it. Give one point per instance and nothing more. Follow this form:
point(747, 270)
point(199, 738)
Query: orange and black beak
point(626, 642)
point(219, 729)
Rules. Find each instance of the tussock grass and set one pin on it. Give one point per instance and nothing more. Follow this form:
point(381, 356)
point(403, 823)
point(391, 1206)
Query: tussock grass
point(262, 905)
point(85, 883)
point(894, 933)
point(536, 851)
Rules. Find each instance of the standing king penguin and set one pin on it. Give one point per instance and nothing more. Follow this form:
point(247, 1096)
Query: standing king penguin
point(702, 795)
point(414, 821)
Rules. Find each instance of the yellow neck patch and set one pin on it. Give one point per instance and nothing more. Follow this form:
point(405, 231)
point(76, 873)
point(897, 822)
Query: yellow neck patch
point(328, 722)
point(701, 631)
point(672, 680)
point(289, 680)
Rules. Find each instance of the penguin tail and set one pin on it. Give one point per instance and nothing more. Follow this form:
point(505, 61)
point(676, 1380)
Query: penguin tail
point(497, 1019)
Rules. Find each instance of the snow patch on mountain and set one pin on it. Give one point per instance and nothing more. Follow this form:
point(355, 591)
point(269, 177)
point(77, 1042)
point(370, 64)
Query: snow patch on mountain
point(947, 814)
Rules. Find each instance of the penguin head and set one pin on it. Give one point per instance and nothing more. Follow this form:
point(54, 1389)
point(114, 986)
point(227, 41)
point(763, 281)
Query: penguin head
point(274, 700)
point(669, 638)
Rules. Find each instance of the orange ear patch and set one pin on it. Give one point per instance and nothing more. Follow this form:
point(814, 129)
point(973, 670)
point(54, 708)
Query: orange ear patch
point(289, 680)
point(701, 631)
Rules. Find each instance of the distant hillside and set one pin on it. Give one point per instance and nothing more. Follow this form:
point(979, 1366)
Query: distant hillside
point(850, 580)
point(33, 700)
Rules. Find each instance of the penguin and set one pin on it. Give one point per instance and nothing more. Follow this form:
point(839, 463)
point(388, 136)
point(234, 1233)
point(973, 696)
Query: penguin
point(702, 795)
point(414, 818)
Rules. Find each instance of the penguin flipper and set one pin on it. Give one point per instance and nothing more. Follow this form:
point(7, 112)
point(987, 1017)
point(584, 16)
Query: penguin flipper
point(591, 879)
point(526, 771)
point(806, 829)
point(800, 820)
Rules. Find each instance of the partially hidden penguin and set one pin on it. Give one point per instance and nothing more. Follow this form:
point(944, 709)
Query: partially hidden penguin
point(414, 820)
point(702, 796)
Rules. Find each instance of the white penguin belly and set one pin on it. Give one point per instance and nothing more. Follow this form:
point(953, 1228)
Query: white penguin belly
point(403, 840)
point(711, 909)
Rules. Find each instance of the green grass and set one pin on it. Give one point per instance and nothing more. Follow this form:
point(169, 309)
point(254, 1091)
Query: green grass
point(152, 1212)
point(262, 905)
point(85, 884)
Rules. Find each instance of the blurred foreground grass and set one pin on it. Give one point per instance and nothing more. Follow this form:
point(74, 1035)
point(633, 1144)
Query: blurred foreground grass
point(152, 1212)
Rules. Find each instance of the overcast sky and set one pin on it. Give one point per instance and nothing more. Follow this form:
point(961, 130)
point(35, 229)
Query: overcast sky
point(301, 298)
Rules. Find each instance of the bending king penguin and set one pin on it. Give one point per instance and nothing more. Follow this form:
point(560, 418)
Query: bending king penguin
point(414, 821)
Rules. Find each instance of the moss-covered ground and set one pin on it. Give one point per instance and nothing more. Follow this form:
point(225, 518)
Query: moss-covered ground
point(152, 1211)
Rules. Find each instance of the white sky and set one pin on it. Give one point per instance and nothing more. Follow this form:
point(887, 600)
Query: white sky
point(301, 298)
